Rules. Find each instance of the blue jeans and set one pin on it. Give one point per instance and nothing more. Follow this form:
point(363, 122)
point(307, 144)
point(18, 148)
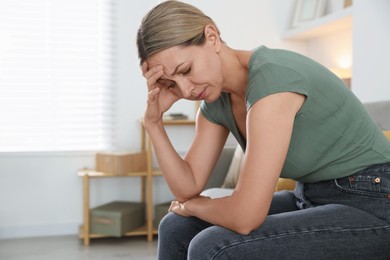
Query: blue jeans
point(346, 218)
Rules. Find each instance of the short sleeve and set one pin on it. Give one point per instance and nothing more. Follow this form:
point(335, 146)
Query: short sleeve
point(270, 78)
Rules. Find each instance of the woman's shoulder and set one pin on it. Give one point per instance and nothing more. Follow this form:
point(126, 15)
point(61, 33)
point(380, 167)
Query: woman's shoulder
point(263, 55)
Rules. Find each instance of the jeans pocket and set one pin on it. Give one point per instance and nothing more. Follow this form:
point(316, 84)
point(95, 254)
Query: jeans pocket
point(372, 182)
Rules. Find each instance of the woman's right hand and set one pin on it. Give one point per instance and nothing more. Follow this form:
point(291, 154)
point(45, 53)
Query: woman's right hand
point(160, 97)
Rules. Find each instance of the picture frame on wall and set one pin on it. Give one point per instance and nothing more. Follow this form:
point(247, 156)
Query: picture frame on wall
point(308, 10)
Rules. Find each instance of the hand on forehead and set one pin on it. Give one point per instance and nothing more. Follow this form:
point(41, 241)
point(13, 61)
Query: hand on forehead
point(170, 58)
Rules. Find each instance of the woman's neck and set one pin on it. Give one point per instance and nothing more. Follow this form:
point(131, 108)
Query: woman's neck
point(235, 70)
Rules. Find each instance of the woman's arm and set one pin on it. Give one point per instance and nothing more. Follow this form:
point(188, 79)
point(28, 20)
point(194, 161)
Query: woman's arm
point(187, 178)
point(269, 128)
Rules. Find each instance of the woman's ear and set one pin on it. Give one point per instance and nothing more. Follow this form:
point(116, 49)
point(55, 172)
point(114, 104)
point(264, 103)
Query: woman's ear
point(212, 36)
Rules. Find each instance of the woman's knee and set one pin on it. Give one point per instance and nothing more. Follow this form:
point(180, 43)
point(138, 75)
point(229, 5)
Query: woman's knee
point(171, 240)
point(168, 223)
point(198, 248)
point(173, 224)
point(209, 244)
point(176, 233)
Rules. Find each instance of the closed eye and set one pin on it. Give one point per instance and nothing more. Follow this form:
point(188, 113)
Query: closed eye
point(167, 83)
point(187, 71)
point(172, 85)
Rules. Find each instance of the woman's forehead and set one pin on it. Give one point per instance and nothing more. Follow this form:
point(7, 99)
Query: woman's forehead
point(170, 54)
point(170, 58)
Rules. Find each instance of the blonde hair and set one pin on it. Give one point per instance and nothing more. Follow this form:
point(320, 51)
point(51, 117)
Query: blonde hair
point(169, 24)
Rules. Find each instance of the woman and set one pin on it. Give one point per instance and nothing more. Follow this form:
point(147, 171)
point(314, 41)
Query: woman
point(293, 118)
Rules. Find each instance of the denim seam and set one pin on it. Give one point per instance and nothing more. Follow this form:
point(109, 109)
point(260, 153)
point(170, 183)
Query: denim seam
point(359, 192)
point(297, 233)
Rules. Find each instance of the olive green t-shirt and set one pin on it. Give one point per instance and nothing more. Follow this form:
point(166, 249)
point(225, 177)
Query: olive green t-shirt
point(333, 135)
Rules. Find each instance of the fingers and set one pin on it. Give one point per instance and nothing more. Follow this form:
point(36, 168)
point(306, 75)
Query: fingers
point(176, 205)
point(152, 76)
point(152, 95)
point(144, 68)
point(172, 206)
point(150, 72)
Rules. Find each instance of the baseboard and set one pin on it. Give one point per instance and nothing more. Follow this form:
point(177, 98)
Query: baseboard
point(52, 229)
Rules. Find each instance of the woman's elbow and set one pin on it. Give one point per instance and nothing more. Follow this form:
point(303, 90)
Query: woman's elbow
point(187, 194)
point(243, 230)
point(245, 225)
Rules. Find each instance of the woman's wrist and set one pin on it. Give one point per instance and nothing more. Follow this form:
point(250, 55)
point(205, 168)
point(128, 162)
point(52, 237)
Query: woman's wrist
point(190, 206)
point(151, 125)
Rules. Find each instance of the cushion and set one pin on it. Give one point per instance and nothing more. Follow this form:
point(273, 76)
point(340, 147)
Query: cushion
point(379, 111)
point(220, 170)
point(285, 184)
point(215, 193)
point(234, 172)
point(234, 169)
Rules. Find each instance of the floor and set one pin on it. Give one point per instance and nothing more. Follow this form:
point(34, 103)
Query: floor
point(71, 248)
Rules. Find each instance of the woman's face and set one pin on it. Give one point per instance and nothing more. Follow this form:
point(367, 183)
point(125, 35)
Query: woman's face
point(191, 72)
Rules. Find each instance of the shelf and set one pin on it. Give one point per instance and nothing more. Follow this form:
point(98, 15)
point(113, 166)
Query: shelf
point(157, 172)
point(146, 187)
point(142, 231)
point(146, 196)
point(94, 174)
point(179, 122)
point(322, 26)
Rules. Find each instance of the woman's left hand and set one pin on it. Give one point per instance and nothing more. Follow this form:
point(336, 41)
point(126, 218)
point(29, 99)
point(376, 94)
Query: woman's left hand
point(180, 207)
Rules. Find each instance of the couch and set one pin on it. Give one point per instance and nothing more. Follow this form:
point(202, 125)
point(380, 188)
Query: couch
point(219, 183)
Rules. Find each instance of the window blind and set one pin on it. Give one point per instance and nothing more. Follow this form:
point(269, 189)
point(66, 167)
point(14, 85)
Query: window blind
point(56, 89)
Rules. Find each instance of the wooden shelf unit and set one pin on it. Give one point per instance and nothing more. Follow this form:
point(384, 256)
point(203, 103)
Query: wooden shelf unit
point(84, 232)
point(146, 190)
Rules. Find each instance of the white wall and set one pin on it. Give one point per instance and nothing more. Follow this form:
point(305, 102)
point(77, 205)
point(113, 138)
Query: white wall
point(371, 39)
point(41, 194)
point(365, 46)
point(334, 51)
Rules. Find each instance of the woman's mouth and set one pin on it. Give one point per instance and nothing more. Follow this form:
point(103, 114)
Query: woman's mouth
point(201, 95)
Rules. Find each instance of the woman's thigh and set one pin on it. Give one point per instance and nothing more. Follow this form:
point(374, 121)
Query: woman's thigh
point(322, 232)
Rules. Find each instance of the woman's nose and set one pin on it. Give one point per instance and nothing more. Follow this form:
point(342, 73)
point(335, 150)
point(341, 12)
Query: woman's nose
point(185, 88)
